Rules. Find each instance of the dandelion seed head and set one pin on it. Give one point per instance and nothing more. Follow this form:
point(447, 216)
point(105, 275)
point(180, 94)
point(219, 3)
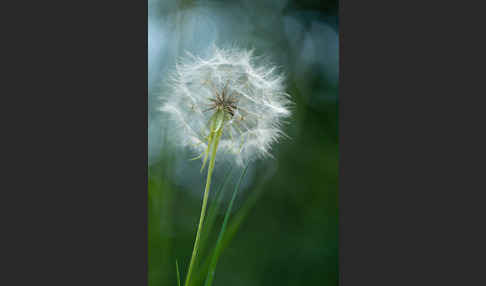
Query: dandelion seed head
point(250, 92)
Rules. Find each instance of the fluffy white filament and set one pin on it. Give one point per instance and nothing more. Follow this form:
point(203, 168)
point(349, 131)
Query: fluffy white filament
point(261, 103)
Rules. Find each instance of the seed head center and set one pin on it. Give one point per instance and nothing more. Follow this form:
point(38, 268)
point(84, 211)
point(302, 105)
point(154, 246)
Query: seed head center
point(223, 101)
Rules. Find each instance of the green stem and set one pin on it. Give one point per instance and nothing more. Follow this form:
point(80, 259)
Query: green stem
point(203, 209)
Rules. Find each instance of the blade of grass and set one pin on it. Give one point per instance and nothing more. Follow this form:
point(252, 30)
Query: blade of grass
point(241, 215)
point(218, 247)
point(233, 226)
point(213, 211)
point(178, 274)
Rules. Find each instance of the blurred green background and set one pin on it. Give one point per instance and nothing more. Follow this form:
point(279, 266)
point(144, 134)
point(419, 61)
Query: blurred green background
point(285, 219)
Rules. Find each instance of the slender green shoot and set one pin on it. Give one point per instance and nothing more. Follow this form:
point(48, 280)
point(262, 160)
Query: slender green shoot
point(178, 274)
point(218, 248)
point(239, 218)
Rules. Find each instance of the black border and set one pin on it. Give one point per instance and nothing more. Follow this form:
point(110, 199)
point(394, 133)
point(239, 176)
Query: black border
point(77, 85)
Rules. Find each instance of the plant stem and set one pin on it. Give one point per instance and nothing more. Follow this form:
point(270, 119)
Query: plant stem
point(203, 209)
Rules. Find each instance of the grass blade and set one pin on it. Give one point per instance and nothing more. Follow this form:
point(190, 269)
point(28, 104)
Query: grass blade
point(218, 247)
point(241, 215)
point(178, 274)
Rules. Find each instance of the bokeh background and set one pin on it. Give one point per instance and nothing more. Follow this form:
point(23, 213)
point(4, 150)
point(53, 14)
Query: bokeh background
point(284, 225)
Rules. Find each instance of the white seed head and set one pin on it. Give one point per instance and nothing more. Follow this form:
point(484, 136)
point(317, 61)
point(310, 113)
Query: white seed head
point(252, 97)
